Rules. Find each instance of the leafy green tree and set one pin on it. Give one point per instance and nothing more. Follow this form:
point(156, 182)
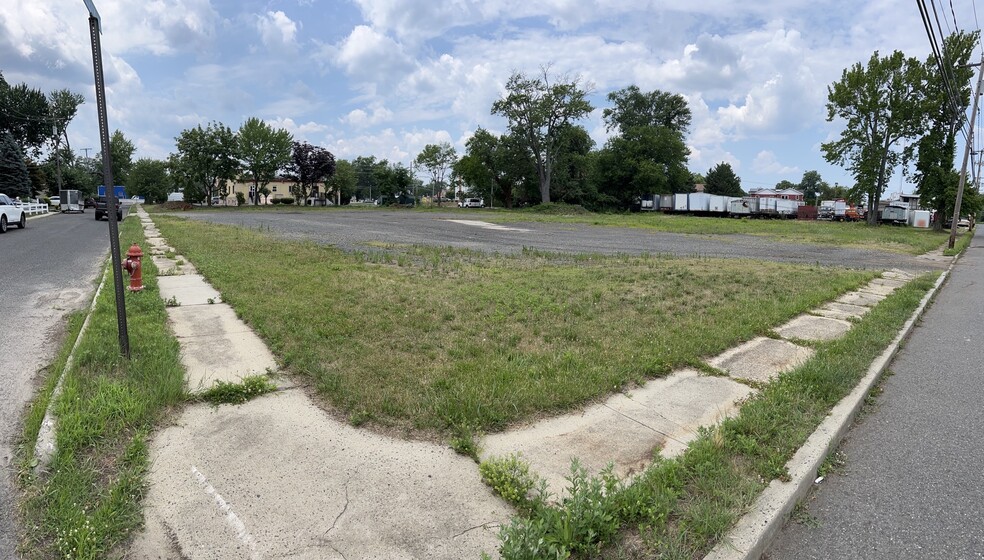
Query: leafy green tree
point(721, 179)
point(121, 149)
point(634, 108)
point(934, 153)
point(835, 192)
point(206, 160)
point(149, 179)
point(644, 160)
point(496, 166)
point(573, 169)
point(309, 167)
point(537, 110)
point(262, 151)
point(786, 184)
point(13, 171)
point(26, 115)
point(881, 104)
point(367, 170)
point(810, 185)
point(649, 155)
point(438, 160)
point(341, 186)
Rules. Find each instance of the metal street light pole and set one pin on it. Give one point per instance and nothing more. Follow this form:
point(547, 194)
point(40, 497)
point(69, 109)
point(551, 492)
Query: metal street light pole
point(114, 232)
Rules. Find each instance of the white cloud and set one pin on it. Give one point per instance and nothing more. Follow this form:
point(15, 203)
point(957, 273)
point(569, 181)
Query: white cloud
point(277, 31)
point(766, 162)
point(371, 58)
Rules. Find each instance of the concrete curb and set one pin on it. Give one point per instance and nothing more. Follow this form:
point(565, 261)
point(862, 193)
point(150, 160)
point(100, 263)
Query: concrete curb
point(44, 446)
point(753, 533)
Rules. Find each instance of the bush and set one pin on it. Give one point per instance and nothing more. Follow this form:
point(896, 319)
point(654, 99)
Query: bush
point(275, 201)
point(287, 200)
point(240, 199)
point(560, 208)
point(510, 478)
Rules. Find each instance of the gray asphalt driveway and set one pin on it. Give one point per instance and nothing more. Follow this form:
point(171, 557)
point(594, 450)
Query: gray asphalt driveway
point(354, 230)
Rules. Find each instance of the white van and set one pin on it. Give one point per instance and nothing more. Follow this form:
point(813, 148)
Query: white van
point(472, 203)
point(176, 197)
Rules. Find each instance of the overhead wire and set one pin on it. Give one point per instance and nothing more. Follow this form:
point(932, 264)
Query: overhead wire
point(938, 57)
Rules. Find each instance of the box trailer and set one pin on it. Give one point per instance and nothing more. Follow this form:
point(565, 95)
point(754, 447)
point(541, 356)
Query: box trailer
point(666, 202)
point(743, 206)
point(70, 201)
point(895, 214)
point(920, 219)
point(787, 208)
point(648, 202)
point(699, 202)
point(719, 203)
point(119, 191)
point(680, 202)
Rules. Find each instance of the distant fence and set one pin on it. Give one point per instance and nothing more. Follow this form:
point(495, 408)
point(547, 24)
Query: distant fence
point(32, 208)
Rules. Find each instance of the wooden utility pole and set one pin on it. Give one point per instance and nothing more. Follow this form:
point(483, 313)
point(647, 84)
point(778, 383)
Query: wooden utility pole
point(967, 149)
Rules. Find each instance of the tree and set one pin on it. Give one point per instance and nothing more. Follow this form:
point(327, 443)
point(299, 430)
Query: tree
point(645, 160)
point(64, 106)
point(437, 159)
point(634, 108)
point(262, 151)
point(342, 186)
point(121, 150)
point(149, 179)
point(810, 185)
point(26, 115)
point(935, 177)
point(309, 167)
point(721, 179)
point(206, 159)
point(496, 166)
point(537, 110)
point(13, 171)
point(881, 104)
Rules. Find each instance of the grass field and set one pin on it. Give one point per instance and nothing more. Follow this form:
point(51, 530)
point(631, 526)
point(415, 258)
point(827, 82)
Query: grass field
point(440, 340)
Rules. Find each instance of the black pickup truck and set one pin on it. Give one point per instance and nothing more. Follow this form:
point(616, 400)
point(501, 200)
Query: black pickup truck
point(101, 209)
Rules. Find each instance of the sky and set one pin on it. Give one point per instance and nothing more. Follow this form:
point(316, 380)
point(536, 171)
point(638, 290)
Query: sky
point(387, 77)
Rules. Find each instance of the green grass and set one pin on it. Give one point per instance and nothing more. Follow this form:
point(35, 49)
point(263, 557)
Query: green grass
point(89, 500)
point(963, 241)
point(460, 342)
point(680, 508)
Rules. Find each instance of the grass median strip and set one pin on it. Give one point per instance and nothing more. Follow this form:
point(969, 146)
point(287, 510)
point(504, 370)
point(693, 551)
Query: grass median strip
point(680, 508)
point(450, 341)
point(89, 500)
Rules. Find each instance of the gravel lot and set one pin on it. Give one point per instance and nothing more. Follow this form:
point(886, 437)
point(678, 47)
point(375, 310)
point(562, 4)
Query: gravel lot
point(354, 230)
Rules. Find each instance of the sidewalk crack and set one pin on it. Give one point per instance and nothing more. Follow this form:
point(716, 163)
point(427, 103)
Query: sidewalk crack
point(341, 513)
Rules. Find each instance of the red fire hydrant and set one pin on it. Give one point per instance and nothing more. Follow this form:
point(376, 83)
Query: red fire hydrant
point(132, 265)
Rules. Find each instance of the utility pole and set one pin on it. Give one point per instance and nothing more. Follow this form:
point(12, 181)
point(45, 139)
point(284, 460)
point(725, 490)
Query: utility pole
point(967, 149)
point(86, 150)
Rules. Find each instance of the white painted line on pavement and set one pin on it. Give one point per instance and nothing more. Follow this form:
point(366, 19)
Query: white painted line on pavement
point(487, 225)
point(231, 518)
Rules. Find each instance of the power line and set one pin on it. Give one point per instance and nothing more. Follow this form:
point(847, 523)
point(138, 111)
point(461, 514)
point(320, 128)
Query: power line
point(938, 56)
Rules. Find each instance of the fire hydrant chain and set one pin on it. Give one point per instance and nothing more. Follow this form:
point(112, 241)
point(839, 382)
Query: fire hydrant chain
point(132, 265)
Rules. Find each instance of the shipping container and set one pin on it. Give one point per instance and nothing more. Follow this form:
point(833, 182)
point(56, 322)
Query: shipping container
point(893, 214)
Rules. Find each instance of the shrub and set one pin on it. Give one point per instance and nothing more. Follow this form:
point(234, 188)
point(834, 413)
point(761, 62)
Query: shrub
point(510, 478)
point(240, 199)
point(275, 200)
point(287, 200)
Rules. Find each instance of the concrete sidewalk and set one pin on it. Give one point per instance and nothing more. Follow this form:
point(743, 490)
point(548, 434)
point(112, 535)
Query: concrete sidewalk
point(279, 477)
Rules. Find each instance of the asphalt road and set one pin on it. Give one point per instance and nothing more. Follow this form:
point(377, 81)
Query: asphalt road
point(912, 486)
point(46, 271)
point(353, 230)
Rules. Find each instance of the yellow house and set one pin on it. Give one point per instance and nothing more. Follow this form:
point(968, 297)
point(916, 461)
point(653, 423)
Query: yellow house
point(279, 188)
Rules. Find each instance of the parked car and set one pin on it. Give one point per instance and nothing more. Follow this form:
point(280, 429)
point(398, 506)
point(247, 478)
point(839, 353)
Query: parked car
point(11, 214)
point(54, 202)
point(472, 203)
point(101, 209)
point(89, 202)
